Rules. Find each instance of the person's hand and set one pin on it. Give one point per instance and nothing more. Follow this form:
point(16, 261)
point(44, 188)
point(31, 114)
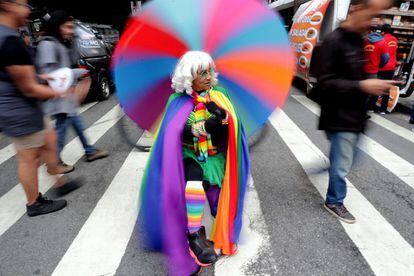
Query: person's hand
point(198, 129)
point(212, 107)
point(377, 87)
point(82, 89)
point(45, 77)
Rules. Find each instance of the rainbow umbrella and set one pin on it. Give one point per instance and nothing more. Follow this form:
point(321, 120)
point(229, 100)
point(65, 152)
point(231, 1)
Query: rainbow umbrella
point(246, 39)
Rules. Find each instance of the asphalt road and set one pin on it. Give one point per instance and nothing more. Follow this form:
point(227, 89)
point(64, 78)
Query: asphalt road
point(286, 230)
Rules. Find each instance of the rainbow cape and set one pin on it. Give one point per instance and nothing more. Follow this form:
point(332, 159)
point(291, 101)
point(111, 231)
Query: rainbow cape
point(163, 217)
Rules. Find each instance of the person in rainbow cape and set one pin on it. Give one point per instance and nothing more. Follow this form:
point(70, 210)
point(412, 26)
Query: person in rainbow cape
point(200, 154)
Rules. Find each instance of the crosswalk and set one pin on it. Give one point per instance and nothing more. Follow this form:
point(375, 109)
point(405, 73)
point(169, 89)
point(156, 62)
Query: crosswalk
point(98, 226)
point(12, 204)
point(108, 222)
point(395, 164)
point(393, 254)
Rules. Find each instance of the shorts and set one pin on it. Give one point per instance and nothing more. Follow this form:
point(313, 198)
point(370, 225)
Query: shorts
point(33, 140)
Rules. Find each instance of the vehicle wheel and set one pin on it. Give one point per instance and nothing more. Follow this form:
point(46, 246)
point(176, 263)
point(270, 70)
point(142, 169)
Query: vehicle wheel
point(104, 90)
point(258, 136)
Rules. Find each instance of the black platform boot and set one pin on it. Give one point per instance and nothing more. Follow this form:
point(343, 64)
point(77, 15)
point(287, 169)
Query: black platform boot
point(201, 249)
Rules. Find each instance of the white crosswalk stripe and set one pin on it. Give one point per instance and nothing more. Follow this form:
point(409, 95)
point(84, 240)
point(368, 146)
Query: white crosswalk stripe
point(12, 204)
point(254, 238)
point(8, 151)
point(393, 127)
point(379, 120)
point(384, 249)
point(403, 169)
point(101, 243)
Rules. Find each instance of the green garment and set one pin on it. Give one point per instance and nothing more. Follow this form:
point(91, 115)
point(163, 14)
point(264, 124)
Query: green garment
point(213, 168)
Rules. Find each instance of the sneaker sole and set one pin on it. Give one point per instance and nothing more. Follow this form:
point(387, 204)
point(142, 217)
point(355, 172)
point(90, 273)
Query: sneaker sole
point(338, 217)
point(65, 172)
point(35, 215)
point(59, 192)
point(69, 171)
point(197, 261)
point(97, 158)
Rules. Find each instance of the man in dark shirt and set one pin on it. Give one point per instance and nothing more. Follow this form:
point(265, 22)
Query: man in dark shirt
point(344, 91)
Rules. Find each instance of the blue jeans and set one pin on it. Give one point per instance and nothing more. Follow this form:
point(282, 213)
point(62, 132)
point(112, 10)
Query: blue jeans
point(343, 148)
point(62, 122)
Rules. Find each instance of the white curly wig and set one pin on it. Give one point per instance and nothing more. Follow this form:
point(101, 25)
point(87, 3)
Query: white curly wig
point(186, 70)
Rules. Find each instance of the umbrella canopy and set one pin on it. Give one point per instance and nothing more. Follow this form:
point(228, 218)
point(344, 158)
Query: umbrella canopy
point(246, 40)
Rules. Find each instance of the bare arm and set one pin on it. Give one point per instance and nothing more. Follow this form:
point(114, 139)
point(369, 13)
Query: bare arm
point(24, 76)
point(82, 89)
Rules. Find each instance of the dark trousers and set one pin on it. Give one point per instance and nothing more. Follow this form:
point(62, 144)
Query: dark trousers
point(385, 75)
point(372, 100)
point(412, 114)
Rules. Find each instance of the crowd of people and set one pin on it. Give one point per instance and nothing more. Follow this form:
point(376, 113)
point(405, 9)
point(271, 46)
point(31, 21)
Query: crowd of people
point(380, 52)
point(207, 162)
point(28, 104)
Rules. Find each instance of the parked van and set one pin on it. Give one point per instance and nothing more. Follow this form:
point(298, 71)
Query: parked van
point(95, 57)
point(106, 33)
point(92, 52)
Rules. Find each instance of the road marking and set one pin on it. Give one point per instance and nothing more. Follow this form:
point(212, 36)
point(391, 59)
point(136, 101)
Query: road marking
point(254, 239)
point(393, 127)
point(379, 120)
point(384, 249)
point(12, 204)
point(8, 151)
point(102, 241)
point(100, 244)
point(400, 167)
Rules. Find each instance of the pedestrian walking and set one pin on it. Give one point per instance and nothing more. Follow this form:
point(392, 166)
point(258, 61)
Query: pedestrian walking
point(55, 51)
point(388, 70)
point(344, 90)
point(376, 55)
point(21, 116)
